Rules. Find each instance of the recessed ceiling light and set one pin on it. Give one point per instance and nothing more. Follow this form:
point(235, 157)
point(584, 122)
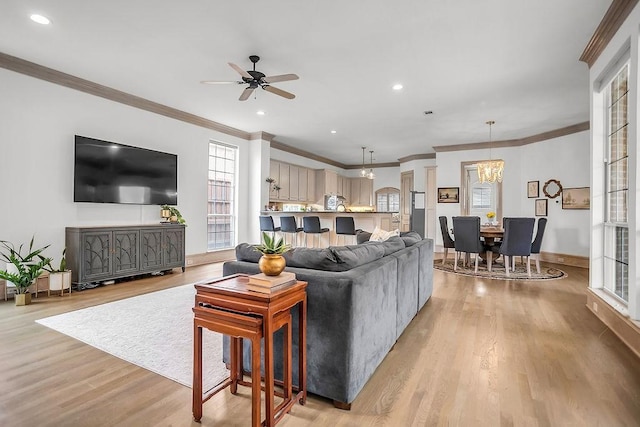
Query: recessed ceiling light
point(397, 86)
point(260, 113)
point(40, 19)
point(334, 131)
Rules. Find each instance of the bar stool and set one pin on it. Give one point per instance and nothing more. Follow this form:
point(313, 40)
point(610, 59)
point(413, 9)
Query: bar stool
point(311, 225)
point(345, 226)
point(266, 224)
point(288, 226)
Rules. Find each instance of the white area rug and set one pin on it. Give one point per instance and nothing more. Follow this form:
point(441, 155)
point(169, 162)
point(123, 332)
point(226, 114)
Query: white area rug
point(154, 331)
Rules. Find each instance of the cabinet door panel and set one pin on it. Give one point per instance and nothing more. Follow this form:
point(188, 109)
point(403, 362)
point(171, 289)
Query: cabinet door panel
point(151, 250)
point(366, 188)
point(96, 255)
point(274, 173)
point(303, 188)
point(311, 186)
point(355, 191)
point(283, 194)
point(126, 251)
point(173, 247)
point(293, 183)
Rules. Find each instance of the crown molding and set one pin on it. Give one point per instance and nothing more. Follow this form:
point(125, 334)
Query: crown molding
point(610, 24)
point(289, 149)
point(515, 142)
point(262, 135)
point(32, 69)
point(374, 165)
point(417, 157)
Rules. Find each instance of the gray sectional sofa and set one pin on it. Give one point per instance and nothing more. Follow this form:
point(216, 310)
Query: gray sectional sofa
point(360, 300)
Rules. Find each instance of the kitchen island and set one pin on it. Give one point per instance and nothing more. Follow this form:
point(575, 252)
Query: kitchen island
point(366, 221)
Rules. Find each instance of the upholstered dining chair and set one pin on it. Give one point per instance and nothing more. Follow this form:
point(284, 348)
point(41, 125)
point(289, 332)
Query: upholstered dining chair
point(537, 242)
point(516, 241)
point(466, 230)
point(447, 241)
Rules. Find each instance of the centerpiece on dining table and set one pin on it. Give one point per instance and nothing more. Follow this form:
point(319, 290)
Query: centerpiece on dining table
point(491, 216)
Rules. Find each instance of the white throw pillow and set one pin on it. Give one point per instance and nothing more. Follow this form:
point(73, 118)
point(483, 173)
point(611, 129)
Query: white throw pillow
point(380, 235)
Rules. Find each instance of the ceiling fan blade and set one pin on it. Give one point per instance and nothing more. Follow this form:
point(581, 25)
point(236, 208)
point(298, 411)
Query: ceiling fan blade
point(281, 78)
point(216, 82)
point(246, 93)
point(240, 71)
point(277, 91)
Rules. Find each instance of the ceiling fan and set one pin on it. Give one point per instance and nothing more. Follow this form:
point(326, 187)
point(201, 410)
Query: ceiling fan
point(256, 79)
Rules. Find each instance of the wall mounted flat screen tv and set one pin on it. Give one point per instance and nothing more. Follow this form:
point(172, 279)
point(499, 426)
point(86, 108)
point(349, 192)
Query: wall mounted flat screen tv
point(107, 172)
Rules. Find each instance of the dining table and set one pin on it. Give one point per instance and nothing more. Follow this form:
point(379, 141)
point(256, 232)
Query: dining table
point(490, 234)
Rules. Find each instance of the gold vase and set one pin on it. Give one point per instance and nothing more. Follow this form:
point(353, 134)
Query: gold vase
point(271, 265)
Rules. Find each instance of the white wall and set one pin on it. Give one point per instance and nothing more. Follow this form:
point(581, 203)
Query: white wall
point(38, 124)
point(565, 159)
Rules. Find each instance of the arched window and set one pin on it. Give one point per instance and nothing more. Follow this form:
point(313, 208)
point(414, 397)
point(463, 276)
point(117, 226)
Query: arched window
point(388, 199)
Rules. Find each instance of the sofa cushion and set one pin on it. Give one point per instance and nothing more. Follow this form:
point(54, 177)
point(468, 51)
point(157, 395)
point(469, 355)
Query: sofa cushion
point(312, 258)
point(348, 257)
point(390, 246)
point(247, 252)
point(410, 238)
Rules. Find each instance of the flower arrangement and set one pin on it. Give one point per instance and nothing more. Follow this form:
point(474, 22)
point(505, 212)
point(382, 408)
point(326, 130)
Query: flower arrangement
point(491, 215)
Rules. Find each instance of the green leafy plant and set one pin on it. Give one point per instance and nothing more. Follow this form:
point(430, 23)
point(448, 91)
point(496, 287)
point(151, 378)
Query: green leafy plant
point(28, 266)
point(175, 212)
point(271, 246)
point(270, 180)
point(62, 267)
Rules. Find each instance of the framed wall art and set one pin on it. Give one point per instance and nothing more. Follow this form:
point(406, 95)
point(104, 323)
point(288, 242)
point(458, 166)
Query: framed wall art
point(541, 207)
point(533, 189)
point(449, 195)
point(576, 198)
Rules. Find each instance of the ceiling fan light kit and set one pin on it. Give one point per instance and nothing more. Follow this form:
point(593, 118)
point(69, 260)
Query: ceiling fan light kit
point(256, 79)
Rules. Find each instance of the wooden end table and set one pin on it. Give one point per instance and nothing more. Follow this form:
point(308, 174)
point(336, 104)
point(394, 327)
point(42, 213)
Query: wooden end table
point(249, 311)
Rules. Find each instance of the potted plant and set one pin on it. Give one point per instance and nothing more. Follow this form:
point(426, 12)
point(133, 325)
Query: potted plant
point(174, 214)
point(59, 278)
point(22, 269)
point(272, 262)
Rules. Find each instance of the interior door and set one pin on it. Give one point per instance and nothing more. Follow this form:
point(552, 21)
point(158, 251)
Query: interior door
point(406, 187)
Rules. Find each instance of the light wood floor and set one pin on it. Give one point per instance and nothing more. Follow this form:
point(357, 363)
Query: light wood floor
point(480, 353)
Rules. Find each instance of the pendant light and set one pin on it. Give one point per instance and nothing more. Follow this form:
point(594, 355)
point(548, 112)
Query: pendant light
point(371, 175)
point(363, 171)
point(490, 170)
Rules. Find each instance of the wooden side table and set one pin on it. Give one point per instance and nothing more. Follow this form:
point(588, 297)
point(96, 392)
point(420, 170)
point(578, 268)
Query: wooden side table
point(228, 300)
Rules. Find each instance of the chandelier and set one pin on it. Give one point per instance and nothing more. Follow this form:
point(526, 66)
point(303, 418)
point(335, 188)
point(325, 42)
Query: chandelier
point(363, 171)
point(490, 170)
point(370, 174)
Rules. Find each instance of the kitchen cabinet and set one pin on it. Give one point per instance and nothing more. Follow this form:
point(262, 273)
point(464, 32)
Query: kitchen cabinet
point(361, 192)
point(303, 188)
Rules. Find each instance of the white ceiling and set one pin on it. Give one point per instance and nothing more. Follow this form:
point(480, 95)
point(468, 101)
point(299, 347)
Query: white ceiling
point(515, 62)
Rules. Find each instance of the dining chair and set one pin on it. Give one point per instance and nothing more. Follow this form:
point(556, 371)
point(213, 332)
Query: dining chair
point(447, 241)
point(537, 242)
point(518, 233)
point(466, 230)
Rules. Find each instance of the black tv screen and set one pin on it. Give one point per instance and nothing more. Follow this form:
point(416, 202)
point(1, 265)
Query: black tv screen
point(107, 172)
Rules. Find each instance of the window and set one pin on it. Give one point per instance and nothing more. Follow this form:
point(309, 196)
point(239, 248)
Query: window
point(616, 230)
point(388, 200)
point(481, 197)
point(221, 213)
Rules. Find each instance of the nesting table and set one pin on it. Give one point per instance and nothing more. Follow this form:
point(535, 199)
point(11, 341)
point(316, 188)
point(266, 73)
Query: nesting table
point(227, 306)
